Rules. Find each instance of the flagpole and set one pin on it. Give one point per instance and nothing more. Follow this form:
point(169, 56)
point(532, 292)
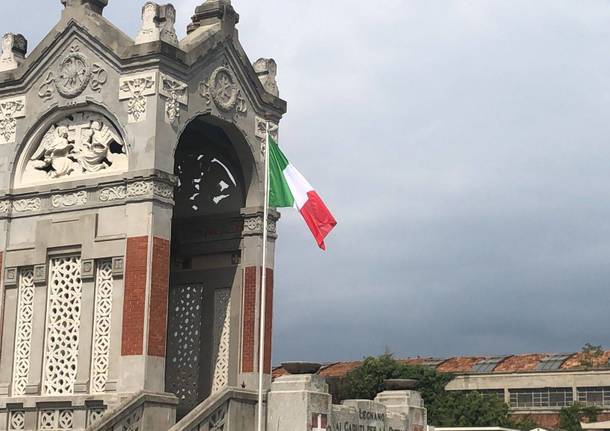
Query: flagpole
point(261, 349)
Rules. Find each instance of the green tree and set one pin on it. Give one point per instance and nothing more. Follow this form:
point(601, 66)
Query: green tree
point(590, 354)
point(571, 416)
point(445, 408)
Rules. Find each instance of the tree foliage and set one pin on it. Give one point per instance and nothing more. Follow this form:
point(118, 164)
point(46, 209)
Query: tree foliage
point(571, 416)
point(445, 408)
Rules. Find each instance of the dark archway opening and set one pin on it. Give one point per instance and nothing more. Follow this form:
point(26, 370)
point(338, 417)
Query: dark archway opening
point(205, 254)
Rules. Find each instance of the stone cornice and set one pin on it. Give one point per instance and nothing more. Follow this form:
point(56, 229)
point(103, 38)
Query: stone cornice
point(158, 188)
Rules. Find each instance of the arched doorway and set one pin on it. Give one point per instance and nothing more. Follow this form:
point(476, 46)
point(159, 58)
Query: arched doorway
point(205, 255)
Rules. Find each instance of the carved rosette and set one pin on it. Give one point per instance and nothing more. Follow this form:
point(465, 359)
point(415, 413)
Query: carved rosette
point(253, 225)
point(72, 76)
point(10, 111)
point(222, 89)
point(176, 94)
point(134, 89)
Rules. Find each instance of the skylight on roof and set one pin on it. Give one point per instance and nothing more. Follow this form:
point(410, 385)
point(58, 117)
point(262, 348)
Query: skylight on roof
point(551, 363)
point(487, 365)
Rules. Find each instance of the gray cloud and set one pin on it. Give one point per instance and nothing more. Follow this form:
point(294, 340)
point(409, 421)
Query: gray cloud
point(464, 147)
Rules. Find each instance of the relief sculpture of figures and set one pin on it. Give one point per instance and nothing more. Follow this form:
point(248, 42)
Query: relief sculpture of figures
point(81, 144)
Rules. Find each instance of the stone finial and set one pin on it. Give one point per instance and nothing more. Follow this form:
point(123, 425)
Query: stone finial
point(213, 12)
point(14, 48)
point(94, 5)
point(266, 70)
point(158, 23)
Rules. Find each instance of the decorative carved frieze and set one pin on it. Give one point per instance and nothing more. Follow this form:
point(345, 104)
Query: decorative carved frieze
point(14, 48)
point(149, 188)
point(266, 70)
point(253, 225)
point(222, 89)
point(40, 274)
point(69, 199)
point(176, 94)
point(27, 205)
point(115, 193)
point(84, 143)
point(10, 110)
point(118, 266)
point(72, 76)
point(135, 90)
point(158, 23)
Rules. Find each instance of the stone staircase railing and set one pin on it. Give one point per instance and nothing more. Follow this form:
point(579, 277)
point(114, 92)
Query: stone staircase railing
point(143, 411)
point(229, 410)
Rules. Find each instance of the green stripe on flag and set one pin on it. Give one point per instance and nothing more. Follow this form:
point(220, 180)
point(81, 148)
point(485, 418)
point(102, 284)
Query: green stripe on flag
point(279, 192)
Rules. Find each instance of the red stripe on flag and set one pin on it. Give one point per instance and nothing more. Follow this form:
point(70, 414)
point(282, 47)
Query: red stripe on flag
point(318, 218)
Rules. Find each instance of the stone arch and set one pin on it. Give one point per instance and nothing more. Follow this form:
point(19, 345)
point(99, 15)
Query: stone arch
point(93, 144)
point(216, 180)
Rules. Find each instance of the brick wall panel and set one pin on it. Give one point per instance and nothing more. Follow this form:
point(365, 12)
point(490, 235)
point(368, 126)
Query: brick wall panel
point(249, 320)
point(157, 328)
point(135, 296)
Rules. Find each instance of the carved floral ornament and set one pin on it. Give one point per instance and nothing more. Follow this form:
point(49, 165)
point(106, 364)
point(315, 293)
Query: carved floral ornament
point(135, 89)
point(10, 111)
point(72, 76)
point(222, 89)
point(81, 144)
point(176, 93)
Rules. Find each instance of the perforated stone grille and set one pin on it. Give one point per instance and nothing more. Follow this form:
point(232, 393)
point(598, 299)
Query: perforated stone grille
point(184, 344)
point(63, 322)
point(222, 320)
point(102, 326)
point(23, 341)
point(56, 420)
point(16, 420)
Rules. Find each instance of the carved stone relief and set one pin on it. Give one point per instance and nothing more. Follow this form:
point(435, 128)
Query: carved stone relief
point(222, 89)
point(115, 193)
point(266, 70)
point(176, 94)
point(10, 110)
point(81, 144)
point(135, 90)
point(72, 76)
point(158, 23)
point(69, 199)
point(14, 48)
point(27, 205)
point(260, 132)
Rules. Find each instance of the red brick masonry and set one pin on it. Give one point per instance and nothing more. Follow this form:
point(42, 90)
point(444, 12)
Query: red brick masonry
point(249, 346)
point(135, 296)
point(249, 319)
point(157, 323)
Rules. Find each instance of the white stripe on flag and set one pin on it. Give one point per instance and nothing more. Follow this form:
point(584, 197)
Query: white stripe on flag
point(299, 186)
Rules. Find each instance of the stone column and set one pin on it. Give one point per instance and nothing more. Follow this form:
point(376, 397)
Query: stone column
point(251, 297)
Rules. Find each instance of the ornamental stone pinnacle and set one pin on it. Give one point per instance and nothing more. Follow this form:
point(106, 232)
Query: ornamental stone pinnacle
point(14, 48)
point(94, 5)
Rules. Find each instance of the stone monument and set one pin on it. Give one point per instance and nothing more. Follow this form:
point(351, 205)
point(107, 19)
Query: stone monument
point(131, 211)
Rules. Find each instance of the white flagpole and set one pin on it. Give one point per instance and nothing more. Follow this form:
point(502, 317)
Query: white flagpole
point(261, 350)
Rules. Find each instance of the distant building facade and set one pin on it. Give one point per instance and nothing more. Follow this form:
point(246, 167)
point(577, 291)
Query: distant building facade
point(535, 386)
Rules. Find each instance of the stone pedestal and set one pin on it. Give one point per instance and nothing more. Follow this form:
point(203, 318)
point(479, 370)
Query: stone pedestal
point(298, 403)
point(407, 403)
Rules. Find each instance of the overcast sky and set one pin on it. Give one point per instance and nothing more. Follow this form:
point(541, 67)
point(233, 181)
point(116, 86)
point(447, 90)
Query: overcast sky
point(464, 147)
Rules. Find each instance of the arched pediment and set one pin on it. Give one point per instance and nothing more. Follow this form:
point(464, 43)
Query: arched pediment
point(76, 146)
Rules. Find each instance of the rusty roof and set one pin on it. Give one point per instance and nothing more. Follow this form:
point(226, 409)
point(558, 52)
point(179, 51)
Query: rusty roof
point(465, 364)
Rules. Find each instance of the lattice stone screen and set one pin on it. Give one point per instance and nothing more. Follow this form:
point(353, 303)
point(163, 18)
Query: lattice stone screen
point(63, 324)
point(23, 336)
point(222, 323)
point(102, 326)
point(184, 344)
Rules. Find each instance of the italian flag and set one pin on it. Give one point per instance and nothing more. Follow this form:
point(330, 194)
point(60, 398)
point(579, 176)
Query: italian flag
point(288, 188)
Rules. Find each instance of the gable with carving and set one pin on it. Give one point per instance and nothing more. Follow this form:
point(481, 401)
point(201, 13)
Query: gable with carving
point(79, 145)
